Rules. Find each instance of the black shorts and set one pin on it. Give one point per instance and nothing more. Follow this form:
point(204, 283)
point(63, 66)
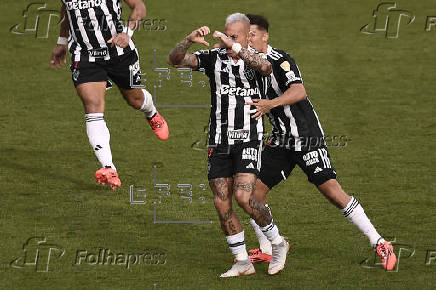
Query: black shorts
point(123, 70)
point(227, 160)
point(278, 163)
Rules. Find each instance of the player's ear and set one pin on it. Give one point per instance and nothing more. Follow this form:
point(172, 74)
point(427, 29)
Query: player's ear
point(266, 37)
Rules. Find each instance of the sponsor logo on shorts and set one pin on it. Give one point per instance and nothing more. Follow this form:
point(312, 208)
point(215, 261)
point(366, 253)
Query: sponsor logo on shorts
point(82, 4)
point(238, 134)
point(249, 154)
point(76, 74)
point(311, 158)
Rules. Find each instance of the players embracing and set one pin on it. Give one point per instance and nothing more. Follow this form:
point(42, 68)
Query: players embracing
point(298, 139)
point(235, 139)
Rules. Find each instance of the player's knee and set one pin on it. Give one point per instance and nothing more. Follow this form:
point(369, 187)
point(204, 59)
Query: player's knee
point(219, 203)
point(243, 199)
point(94, 106)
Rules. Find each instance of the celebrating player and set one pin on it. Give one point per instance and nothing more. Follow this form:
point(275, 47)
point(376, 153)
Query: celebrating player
point(234, 137)
point(101, 48)
point(298, 139)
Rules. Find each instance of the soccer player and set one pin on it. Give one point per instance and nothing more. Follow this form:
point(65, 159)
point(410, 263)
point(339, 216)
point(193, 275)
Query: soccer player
point(234, 137)
point(297, 138)
point(102, 48)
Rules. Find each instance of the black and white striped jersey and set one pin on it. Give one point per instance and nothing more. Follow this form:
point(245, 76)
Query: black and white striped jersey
point(294, 126)
point(92, 24)
point(231, 85)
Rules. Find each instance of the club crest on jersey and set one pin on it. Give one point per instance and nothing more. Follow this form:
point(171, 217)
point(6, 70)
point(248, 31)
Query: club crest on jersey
point(249, 73)
point(238, 134)
point(249, 154)
point(82, 4)
point(240, 92)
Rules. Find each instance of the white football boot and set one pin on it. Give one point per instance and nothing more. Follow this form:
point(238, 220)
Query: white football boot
point(278, 257)
point(240, 268)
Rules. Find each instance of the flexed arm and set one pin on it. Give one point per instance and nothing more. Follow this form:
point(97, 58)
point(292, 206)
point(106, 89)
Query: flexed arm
point(254, 60)
point(179, 57)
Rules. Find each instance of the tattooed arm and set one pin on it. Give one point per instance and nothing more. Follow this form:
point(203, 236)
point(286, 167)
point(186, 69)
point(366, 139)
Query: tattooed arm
point(179, 57)
point(254, 60)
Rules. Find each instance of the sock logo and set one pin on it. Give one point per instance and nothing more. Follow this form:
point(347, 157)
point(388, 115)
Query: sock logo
point(98, 147)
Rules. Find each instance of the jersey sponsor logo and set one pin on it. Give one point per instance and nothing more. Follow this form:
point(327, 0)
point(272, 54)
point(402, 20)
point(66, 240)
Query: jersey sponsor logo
point(291, 77)
point(82, 4)
point(240, 92)
point(311, 158)
point(238, 134)
point(249, 154)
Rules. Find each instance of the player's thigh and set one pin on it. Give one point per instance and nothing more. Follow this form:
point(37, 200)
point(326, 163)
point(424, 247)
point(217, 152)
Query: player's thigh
point(125, 71)
point(276, 167)
point(316, 164)
point(243, 188)
point(92, 95)
point(222, 192)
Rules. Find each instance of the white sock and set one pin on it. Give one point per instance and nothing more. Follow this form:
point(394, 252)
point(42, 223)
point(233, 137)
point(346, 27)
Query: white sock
point(99, 137)
point(148, 107)
point(271, 231)
point(355, 214)
point(264, 244)
point(237, 246)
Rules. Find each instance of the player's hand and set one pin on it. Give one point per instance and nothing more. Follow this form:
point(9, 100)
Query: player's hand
point(58, 56)
point(262, 107)
point(121, 40)
point(198, 35)
point(226, 41)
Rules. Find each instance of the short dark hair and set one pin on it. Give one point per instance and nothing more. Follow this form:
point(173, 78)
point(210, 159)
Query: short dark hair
point(258, 20)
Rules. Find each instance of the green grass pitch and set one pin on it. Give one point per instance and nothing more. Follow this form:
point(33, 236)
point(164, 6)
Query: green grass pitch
point(378, 92)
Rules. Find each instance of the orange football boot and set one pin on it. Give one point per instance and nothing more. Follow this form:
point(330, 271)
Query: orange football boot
point(159, 126)
point(387, 255)
point(108, 176)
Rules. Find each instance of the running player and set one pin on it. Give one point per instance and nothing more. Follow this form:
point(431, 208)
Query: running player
point(234, 138)
point(101, 48)
point(298, 139)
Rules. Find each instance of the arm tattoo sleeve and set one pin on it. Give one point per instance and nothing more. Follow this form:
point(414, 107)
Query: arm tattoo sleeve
point(256, 61)
point(178, 56)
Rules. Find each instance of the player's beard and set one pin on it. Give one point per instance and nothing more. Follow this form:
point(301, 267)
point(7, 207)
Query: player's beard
point(231, 53)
